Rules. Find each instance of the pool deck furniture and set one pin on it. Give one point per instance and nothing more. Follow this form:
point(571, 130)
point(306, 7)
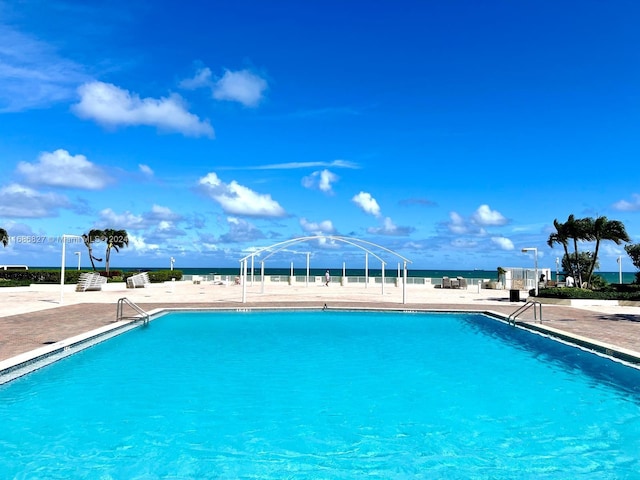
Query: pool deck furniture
point(90, 281)
point(138, 280)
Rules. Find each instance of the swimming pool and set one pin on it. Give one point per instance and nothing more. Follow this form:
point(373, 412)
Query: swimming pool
point(324, 395)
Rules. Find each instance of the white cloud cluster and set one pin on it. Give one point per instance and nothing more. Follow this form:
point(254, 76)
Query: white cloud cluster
point(112, 106)
point(484, 216)
point(390, 228)
point(321, 179)
point(18, 201)
point(240, 86)
point(61, 169)
point(503, 242)
point(240, 230)
point(626, 206)
point(322, 228)
point(367, 203)
point(237, 199)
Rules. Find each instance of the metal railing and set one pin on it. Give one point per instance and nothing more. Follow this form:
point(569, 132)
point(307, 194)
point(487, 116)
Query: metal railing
point(530, 304)
point(141, 314)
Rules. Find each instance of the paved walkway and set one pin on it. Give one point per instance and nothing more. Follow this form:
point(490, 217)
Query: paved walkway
point(31, 317)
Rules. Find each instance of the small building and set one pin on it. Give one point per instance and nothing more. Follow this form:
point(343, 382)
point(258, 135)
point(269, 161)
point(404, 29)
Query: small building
point(517, 278)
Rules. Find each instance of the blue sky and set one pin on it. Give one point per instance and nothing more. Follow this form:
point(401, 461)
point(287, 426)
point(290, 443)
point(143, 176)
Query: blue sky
point(453, 133)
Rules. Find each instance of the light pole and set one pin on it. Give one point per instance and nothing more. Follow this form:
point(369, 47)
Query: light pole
point(172, 261)
point(79, 257)
point(557, 270)
point(535, 257)
point(620, 269)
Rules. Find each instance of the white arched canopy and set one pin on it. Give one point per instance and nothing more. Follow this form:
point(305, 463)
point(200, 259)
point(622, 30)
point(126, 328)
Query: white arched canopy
point(366, 246)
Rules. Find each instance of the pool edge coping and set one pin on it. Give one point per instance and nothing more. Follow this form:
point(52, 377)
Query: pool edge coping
point(27, 362)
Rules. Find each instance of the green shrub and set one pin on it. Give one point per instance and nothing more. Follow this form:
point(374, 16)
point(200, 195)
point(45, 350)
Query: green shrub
point(14, 283)
point(42, 276)
point(608, 293)
point(158, 276)
point(165, 275)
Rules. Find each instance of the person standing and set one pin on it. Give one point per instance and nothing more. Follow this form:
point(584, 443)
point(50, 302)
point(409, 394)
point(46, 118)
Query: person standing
point(327, 278)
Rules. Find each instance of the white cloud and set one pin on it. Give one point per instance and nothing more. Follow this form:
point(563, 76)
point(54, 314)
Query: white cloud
point(484, 216)
point(237, 199)
point(240, 86)
point(240, 231)
point(126, 220)
point(145, 170)
point(294, 165)
point(18, 201)
point(60, 169)
point(32, 74)
point(457, 224)
point(202, 78)
point(503, 242)
point(112, 106)
point(323, 228)
point(320, 179)
point(390, 228)
point(159, 213)
point(139, 244)
point(367, 203)
point(625, 206)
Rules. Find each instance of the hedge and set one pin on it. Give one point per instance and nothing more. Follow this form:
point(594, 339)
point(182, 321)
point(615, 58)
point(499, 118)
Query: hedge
point(27, 277)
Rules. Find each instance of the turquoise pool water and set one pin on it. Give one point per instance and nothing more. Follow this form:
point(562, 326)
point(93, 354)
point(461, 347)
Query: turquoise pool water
point(331, 395)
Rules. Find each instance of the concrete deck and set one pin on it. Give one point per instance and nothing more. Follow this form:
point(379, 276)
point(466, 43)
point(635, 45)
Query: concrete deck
point(36, 316)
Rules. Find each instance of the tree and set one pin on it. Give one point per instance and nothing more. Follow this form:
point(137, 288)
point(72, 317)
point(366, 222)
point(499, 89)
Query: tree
point(634, 254)
point(604, 229)
point(90, 238)
point(560, 236)
point(579, 267)
point(4, 237)
point(115, 239)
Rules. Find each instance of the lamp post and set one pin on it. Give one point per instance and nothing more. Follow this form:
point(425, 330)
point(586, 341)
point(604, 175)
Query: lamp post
point(557, 270)
point(535, 257)
point(79, 257)
point(172, 261)
point(620, 269)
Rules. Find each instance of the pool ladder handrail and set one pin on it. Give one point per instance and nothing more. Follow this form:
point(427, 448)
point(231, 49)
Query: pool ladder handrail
point(142, 315)
point(530, 304)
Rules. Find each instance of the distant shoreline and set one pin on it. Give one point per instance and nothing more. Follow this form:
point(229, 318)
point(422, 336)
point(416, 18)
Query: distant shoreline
point(610, 277)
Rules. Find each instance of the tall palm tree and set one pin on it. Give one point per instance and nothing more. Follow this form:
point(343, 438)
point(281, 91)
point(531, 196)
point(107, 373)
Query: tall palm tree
point(89, 238)
point(578, 230)
point(560, 236)
point(605, 229)
point(4, 237)
point(115, 239)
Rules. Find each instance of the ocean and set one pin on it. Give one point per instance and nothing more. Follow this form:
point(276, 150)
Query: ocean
point(610, 277)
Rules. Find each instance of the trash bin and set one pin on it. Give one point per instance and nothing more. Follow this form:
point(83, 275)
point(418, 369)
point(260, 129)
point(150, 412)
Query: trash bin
point(514, 295)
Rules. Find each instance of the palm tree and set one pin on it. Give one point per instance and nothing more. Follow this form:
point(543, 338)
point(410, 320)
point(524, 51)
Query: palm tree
point(93, 236)
point(115, 239)
point(4, 237)
point(560, 236)
point(605, 229)
point(578, 230)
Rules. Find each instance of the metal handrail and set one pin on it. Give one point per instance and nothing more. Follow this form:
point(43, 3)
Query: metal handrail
point(142, 315)
point(532, 303)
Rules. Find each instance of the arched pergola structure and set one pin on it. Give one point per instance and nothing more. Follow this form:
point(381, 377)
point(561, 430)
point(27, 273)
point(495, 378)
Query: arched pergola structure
point(364, 245)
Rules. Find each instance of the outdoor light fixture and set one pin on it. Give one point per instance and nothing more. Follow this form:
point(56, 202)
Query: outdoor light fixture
point(79, 257)
point(535, 256)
